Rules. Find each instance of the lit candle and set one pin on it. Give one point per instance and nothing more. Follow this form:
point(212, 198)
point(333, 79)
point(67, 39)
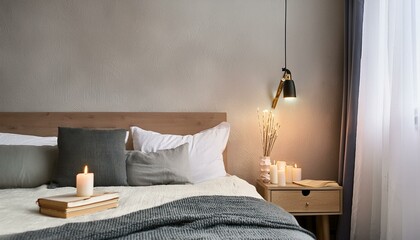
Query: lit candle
point(289, 173)
point(282, 177)
point(84, 183)
point(297, 173)
point(273, 174)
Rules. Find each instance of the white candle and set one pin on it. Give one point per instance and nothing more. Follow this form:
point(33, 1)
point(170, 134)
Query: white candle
point(273, 174)
point(84, 183)
point(297, 173)
point(289, 173)
point(281, 165)
point(282, 177)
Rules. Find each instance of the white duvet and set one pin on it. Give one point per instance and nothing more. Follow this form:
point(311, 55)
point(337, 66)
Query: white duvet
point(19, 212)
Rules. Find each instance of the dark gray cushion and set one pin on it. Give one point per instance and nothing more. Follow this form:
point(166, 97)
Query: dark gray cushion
point(102, 150)
point(26, 166)
point(170, 166)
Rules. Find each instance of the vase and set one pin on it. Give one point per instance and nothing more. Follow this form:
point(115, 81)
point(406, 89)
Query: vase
point(265, 163)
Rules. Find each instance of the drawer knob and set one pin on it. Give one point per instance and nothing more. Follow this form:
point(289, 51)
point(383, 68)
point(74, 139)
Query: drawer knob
point(307, 204)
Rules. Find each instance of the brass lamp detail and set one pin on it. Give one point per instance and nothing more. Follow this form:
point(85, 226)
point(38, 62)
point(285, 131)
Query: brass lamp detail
point(286, 84)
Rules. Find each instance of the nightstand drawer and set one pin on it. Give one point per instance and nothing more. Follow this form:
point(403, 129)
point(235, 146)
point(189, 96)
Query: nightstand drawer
point(295, 201)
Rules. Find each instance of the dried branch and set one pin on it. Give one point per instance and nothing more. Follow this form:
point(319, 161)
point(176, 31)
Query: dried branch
point(268, 130)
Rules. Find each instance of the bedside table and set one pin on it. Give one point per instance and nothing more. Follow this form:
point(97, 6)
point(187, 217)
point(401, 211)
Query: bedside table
point(305, 201)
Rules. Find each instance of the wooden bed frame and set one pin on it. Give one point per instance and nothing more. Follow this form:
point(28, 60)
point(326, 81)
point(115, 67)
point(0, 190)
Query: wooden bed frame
point(46, 123)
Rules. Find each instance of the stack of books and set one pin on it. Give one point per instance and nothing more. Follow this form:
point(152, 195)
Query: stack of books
point(69, 205)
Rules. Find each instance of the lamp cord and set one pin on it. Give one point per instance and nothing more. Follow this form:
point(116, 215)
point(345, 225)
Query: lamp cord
point(285, 34)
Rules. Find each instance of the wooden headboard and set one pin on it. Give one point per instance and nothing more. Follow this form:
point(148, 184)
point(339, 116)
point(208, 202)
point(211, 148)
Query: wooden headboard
point(46, 123)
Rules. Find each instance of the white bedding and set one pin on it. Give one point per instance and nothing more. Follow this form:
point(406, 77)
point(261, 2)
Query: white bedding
point(19, 212)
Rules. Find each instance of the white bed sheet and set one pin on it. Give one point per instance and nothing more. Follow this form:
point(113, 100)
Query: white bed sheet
point(19, 212)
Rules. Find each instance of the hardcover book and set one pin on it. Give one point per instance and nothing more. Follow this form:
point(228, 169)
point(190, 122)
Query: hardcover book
point(316, 183)
point(81, 210)
point(65, 201)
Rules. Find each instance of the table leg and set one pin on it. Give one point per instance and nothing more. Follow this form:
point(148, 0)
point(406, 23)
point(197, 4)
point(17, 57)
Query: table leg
point(323, 227)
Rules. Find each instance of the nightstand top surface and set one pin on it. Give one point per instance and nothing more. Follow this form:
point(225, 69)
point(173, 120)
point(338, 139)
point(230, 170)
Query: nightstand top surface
point(292, 186)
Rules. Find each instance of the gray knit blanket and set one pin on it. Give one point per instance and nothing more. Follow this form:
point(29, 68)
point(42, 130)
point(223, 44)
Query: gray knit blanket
point(204, 217)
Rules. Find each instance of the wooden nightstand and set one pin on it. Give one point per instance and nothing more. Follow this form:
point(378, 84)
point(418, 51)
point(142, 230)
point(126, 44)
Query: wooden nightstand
point(305, 201)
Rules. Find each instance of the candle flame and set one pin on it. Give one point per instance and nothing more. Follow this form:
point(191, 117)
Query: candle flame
point(86, 169)
point(295, 165)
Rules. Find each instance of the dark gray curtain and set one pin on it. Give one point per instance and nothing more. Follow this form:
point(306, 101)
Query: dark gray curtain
point(352, 54)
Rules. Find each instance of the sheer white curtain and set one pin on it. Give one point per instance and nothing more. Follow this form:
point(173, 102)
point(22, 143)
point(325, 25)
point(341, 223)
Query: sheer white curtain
point(387, 165)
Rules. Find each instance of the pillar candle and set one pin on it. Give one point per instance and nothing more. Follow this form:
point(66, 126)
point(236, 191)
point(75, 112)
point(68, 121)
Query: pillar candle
point(289, 173)
point(273, 174)
point(281, 165)
point(297, 173)
point(282, 177)
point(84, 184)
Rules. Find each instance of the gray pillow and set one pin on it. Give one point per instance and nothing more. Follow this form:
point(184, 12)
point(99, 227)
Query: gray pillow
point(26, 166)
point(170, 166)
point(103, 150)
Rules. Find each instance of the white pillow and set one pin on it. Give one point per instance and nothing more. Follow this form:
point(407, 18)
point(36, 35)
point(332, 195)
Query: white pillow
point(127, 134)
point(19, 139)
point(205, 148)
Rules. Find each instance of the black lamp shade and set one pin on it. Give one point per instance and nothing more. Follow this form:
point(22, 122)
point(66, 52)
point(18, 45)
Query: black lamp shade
point(289, 90)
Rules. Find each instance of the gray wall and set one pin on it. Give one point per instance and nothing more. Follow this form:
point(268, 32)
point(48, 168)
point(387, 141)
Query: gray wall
point(184, 55)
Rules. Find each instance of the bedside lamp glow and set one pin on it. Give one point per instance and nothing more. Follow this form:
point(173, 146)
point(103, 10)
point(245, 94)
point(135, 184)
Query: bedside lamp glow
point(287, 86)
point(84, 183)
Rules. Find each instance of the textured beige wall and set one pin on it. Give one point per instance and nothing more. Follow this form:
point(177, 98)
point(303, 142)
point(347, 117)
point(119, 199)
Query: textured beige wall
point(184, 55)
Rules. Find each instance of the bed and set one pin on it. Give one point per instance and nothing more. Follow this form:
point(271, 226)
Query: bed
point(220, 207)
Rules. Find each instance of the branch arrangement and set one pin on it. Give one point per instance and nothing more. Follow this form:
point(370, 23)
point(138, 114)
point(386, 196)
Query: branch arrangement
point(268, 130)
